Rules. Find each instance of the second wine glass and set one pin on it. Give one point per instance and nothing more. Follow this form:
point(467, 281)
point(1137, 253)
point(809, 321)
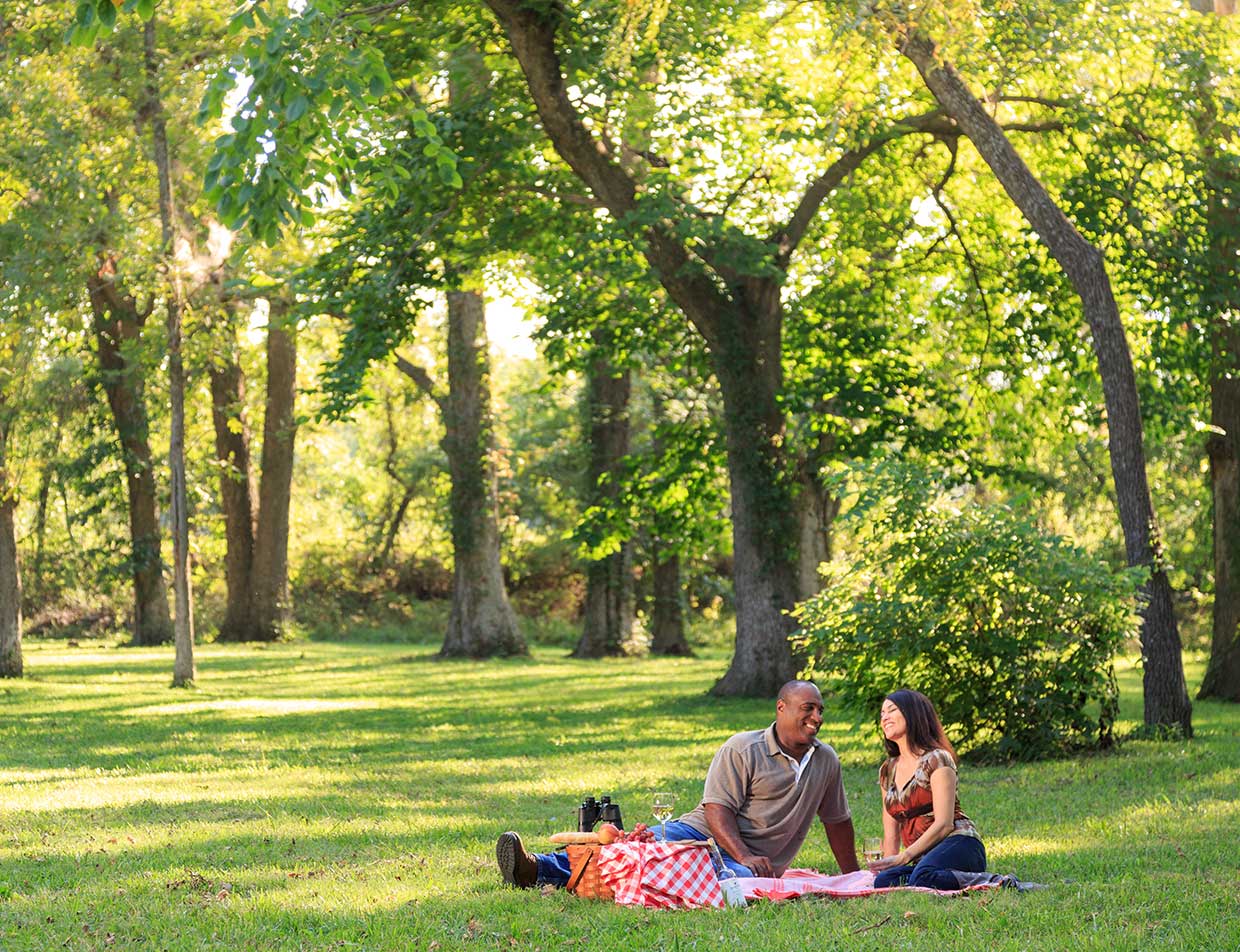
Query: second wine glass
point(661, 807)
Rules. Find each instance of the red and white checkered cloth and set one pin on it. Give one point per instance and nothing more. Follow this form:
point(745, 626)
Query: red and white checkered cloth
point(660, 875)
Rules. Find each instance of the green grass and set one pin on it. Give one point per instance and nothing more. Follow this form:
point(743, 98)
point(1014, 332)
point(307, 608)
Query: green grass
point(347, 796)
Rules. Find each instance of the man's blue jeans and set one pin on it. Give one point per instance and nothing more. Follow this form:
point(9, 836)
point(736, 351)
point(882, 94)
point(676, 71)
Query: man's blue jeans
point(553, 867)
point(935, 868)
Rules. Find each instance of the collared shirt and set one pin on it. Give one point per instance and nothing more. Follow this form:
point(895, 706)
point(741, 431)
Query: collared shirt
point(775, 798)
point(798, 765)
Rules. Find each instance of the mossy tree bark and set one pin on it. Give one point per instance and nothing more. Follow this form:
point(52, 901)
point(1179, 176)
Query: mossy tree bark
point(237, 489)
point(481, 622)
point(269, 599)
point(610, 598)
point(118, 323)
point(667, 626)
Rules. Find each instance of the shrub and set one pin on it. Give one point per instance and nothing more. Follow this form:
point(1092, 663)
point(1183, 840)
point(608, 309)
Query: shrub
point(1011, 630)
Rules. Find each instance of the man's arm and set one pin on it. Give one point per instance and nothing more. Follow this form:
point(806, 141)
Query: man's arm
point(843, 842)
point(722, 823)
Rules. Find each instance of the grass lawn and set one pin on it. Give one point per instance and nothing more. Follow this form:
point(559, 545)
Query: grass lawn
point(347, 796)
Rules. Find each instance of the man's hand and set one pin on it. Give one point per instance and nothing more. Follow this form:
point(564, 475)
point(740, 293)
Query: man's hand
point(843, 842)
point(760, 865)
point(727, 834)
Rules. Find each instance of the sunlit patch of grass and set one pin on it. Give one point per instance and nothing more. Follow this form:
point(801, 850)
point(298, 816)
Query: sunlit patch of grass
point(319, 795)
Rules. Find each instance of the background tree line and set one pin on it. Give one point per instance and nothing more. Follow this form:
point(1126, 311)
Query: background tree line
point(998, 241)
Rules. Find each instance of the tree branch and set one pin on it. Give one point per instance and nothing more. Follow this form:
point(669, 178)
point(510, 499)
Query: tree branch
point(421, 378)
point(789, 237)
point(970, 261)
point(531, 32)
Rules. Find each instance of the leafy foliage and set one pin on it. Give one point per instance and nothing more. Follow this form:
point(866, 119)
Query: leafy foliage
point(1010, 629)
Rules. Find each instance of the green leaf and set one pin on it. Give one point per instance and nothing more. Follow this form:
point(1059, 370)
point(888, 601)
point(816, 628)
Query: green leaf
point(297, 108)
point(107, 14)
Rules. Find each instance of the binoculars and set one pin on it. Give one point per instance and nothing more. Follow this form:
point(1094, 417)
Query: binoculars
point(591, 813)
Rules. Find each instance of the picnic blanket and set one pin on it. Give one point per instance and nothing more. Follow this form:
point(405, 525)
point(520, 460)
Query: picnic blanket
point(801, 882)
point(660, 875)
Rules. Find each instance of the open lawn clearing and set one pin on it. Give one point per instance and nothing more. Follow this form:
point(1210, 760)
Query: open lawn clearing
point(318, 796)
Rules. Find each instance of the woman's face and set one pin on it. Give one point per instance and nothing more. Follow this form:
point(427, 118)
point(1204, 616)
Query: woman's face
point(891, 721)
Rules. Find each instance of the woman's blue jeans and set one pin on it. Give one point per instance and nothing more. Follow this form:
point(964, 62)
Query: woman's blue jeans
point(935, 869)
point(553, 867)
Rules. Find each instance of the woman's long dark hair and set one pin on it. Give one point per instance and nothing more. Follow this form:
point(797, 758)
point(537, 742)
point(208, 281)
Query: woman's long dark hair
point(924, 729)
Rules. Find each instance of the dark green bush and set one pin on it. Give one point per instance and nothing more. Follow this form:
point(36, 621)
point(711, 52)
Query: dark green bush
point(1009, 629)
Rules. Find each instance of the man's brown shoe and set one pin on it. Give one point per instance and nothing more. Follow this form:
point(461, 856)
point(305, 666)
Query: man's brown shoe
point(518, 867)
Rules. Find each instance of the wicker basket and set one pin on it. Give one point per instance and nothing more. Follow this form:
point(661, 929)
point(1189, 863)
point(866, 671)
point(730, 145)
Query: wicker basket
point(583, 878)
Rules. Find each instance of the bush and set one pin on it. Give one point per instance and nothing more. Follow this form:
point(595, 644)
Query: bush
point(1010, 630)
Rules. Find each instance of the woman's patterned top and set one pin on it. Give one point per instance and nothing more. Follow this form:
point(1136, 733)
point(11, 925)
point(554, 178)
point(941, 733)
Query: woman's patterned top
point(913, 804)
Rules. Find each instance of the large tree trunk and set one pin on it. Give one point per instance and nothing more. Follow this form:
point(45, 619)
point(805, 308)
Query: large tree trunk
point(747, 358)
point(609, 610)
point(183, 666)
point(10, 577)
point(1166, 696)
point(118, 327)
point(482, 623)
point(237, 492)
point(1222, 302)
point(269, 594)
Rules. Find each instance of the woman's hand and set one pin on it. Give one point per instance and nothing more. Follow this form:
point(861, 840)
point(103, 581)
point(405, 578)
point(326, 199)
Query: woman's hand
point(887, 862)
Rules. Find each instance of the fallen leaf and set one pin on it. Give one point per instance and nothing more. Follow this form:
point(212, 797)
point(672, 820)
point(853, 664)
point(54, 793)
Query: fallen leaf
point(909, 914)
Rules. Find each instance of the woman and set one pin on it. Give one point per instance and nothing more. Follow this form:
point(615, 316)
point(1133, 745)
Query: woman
point(926, 836)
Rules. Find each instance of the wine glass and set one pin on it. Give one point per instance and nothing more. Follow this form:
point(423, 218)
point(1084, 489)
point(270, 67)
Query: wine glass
point(661, 807)
point(872, 849)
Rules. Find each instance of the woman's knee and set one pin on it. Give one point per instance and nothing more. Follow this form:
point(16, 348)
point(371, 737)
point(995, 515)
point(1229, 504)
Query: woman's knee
point(932, 877)
point(891, 877)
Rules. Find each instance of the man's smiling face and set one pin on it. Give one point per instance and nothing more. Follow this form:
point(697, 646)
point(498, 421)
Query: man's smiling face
point(798, 716)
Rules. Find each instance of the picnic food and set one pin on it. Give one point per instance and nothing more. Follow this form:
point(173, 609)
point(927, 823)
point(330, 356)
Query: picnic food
point(640, 834)
point(608, 833)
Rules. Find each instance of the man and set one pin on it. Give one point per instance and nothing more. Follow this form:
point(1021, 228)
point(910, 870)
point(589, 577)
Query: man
point(762, 792)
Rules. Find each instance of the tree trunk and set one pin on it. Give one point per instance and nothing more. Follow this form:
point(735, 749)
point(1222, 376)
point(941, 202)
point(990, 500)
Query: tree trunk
point(118, 327)
point(816, 512)
point(610, 598)
point(269, 593)
point(667, 629)
point(747, 358)
point(393, 527)
point(40, 523)
point(183, 667)
point(237, 494)
point(481, 623)
point(1166, 696)
point(1222, 677)
point(1222, 302)
point(10, 577)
